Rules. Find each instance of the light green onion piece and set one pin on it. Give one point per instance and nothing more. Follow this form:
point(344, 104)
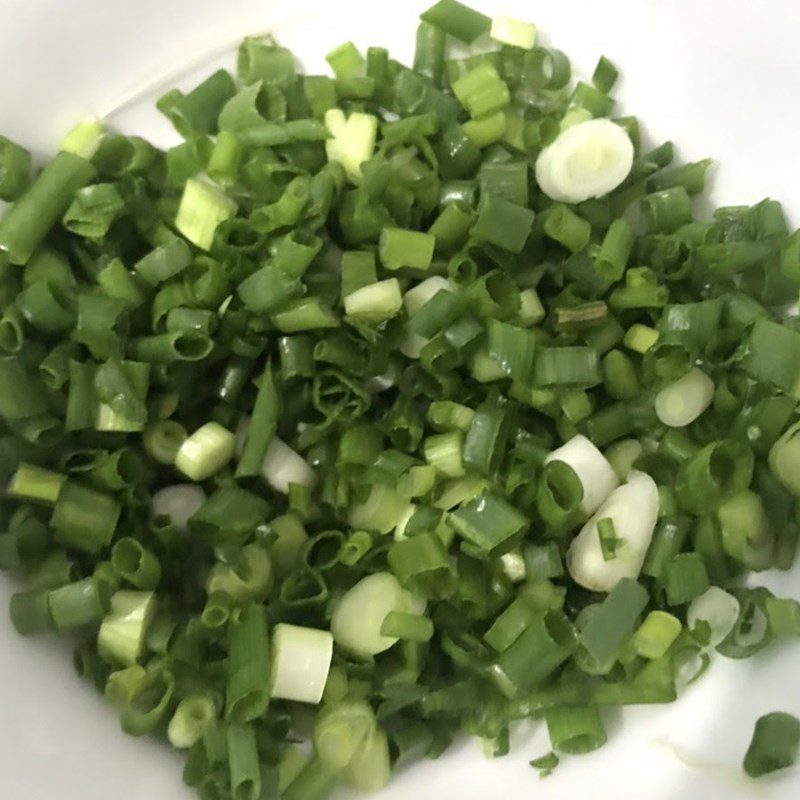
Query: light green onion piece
point(417, 296)
point(404, 248)
point(201, 210)
point(683, 401)
point(515, 32)
point(301, 659)
point(352, 139)
point(531, 310)
point(376, 302)
point(370, 770)
point(784, 459)
point(191, 718)
point(381, 511)
point(35, 483)
point(403, 625)
point(622, 455)
point(656, 635)
point(358, 617)
point(122, 632)
point(443, 453)
point(484, 368)
point(340, 731)
point(640, 338)
point(84, 138)
point(290, 539)
point(206, 451)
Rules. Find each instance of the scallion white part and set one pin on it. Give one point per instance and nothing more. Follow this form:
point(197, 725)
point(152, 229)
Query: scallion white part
point(633, 508)
point(515, 32)
point(596, 475)
point(683, 401)
point(357, 619)
point(716, 607)
point(178, 503)
point(352, 139)
point(301, 660)
point(282, 466)
point(588, 159)
point(376, 302)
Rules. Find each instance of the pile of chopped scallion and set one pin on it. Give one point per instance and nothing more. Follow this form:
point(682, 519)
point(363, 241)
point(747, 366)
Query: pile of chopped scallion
point(392, 406)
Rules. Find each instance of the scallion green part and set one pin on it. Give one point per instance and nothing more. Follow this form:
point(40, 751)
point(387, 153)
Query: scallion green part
point(391, 404)
point(775, 744)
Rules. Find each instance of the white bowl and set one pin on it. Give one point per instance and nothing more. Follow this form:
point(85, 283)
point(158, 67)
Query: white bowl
point(717, 77)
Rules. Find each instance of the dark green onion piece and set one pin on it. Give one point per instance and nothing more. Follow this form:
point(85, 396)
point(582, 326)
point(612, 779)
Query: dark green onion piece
point(243, 762)
point(26, 223)
point(135, 564)
point(575, 729)
point(545, 644)
point(577, 366)
point(84, 518)
point(458, 20)
point(489, 523)
point(502, 223)
point(263, 424)
point(15, 169)
point(775, 744)
point(545, 764)
point(719, 469)
point(76, 604)
point(615, 620)
point(687, 578)
point(403, 625)
point(247, 693)
point(567, 228)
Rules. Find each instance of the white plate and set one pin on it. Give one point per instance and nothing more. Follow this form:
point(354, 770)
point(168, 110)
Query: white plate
point(718, 77)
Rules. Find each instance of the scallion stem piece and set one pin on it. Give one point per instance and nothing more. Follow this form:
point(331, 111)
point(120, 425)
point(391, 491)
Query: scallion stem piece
point(205, 452)
point(633, 508)
point(122, 632)
point(248, 689)
point(203, 207)
point(358, 617)
point(301, 659)
point(35, 483)
point(775, 744)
